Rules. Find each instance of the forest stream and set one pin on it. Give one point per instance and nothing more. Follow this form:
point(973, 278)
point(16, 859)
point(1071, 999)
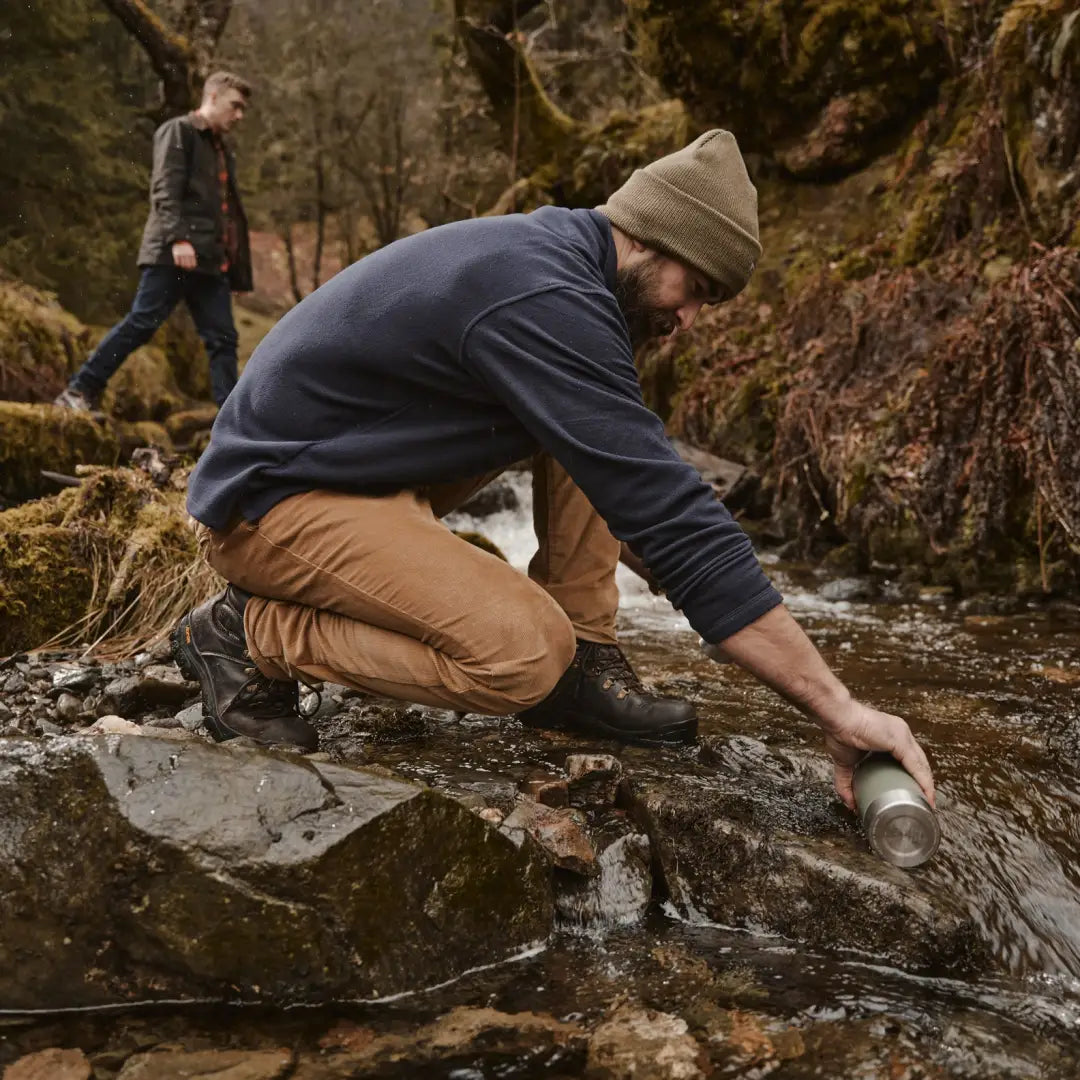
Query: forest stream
point(989, 686)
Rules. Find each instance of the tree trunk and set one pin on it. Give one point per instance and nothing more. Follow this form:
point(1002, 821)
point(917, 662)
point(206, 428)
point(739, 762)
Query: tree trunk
point(180, 56)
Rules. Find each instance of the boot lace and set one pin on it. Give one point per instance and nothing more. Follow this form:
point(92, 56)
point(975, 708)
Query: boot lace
point(270, 699)
point(607, 662)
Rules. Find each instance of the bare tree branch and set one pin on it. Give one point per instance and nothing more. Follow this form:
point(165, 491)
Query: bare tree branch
point(181, 57)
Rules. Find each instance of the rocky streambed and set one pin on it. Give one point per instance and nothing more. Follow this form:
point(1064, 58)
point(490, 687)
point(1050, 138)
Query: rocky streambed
point(444, 895)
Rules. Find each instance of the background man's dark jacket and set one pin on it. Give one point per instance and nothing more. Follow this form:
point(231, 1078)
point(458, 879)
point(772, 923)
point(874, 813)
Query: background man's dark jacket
point(185, 201)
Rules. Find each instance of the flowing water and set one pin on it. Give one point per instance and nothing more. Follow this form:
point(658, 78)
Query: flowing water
point(990, 688)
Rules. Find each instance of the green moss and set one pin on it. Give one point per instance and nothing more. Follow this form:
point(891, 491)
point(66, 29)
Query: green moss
point(40, 344)
point(43, 580)
point(769, 71)
point(36, 437)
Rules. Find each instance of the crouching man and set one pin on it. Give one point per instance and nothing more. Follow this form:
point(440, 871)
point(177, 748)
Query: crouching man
point(389, 395)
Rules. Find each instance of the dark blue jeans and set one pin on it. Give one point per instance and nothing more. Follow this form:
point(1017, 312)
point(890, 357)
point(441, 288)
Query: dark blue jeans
point(160, 289)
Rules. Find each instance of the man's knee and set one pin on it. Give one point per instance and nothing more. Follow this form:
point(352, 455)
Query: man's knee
point(534, 654)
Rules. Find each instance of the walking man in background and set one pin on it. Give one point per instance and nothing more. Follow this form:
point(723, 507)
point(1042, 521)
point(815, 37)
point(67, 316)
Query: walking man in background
point(411, 378)
point(194, 246)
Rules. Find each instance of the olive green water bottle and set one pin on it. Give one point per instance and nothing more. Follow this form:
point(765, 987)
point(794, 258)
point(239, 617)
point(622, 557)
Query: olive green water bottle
point(898, 821)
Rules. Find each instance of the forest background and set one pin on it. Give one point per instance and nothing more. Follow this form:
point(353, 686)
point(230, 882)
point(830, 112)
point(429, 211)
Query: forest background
point(902, 375)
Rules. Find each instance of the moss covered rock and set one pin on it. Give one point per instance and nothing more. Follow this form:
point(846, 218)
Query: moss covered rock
point(1037, 53)
point(821, 81)
point(36, 437)
point(41, 344)
point(44, 578)
point(143, 869)
point(111, 561)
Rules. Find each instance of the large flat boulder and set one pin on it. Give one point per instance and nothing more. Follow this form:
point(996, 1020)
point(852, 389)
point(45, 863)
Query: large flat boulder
point(749, 839)
point(136, 869)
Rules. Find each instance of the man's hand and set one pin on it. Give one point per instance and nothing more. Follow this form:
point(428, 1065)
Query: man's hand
point(183, 255)
point(855, 728)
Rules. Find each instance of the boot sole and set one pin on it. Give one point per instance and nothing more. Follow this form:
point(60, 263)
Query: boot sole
point(187, 659)
point(679, 735)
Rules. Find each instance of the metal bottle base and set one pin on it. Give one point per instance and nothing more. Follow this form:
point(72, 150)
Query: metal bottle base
point(901, 828)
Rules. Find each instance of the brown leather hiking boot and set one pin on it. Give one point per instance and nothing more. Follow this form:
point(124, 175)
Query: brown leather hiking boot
point(209, 647)
point(599, 694)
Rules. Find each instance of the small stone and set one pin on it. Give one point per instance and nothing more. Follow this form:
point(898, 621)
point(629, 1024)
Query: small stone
point(191, 718)
point(15, 684)
point(936, 594)
point(550, 792)
point(47, 727)
point(51, 1064)
point(205, 1064)
point(848, 589)
point(162, 651)
point(74, 679)
point(491, 814)
point(68, 707)
point(646, 1045)
point(142, 659)
point(141, 693)
point(594, 779)
point(163, 723)
point(112, 725)
point(556, 831)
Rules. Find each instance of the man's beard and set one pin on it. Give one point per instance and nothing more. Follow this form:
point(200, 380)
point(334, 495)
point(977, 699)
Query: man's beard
point(633, 291)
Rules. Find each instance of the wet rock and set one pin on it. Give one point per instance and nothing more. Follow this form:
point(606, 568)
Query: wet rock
point(936, 594)
point(849, 589)
point(387, 724)
point(496, 496)
point(162, 723)
point(157, 687)
point(142, 869)
point(618, 894)
point(640, 1044)
point(209, 1065)
point(594, 780)
point(68, 707)
point(558, 832)
point(112, 725)
point(51, 1064)
point(449, 1047)
point(75, 680)
point(550, 791)
point(780, 855)
point(15, 683)
point(191, 718)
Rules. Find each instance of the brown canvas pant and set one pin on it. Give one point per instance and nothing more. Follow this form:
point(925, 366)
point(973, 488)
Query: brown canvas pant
point(376, 593)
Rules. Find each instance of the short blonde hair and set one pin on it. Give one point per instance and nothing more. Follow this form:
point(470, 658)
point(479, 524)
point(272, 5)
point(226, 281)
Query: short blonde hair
point(226, 80)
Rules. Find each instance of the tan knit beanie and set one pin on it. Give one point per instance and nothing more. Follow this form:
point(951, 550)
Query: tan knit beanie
point(698, 205)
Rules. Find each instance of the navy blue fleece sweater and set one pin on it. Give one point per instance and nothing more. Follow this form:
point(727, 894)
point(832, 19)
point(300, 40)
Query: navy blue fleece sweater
point(461, 350)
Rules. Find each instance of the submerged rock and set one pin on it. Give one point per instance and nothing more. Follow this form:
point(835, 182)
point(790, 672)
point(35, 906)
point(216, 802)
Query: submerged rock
point(137, 869)
point(460, 1038)
point(644, 1045)
point(51, 1064)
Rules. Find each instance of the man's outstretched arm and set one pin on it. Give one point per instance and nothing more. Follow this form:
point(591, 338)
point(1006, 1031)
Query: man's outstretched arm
point(775, 650)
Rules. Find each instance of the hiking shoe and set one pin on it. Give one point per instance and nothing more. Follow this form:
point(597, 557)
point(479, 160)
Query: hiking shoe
point(77, 401)
point(209, 647)
point(599, 694)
